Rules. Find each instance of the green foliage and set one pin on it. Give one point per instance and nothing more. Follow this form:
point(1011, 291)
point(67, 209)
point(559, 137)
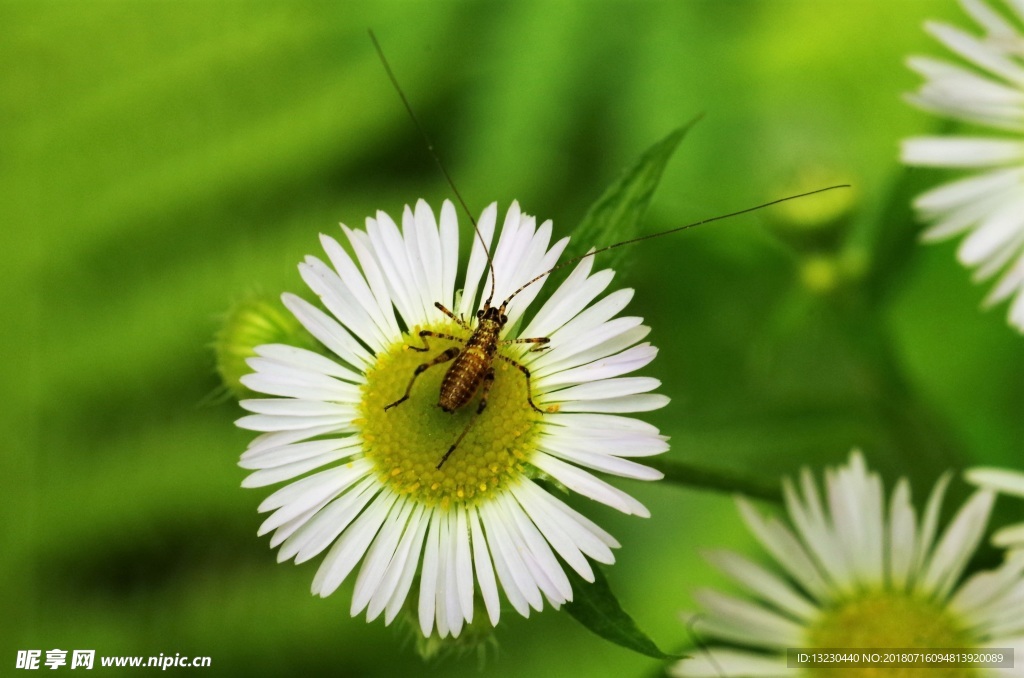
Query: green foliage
point(616, 215)
point(596, 607)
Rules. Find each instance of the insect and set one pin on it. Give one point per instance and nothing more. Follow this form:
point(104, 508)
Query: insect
point(472, 366)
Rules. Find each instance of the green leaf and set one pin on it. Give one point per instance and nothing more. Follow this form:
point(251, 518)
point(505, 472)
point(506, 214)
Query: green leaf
point(616, 215)
point(597, 608)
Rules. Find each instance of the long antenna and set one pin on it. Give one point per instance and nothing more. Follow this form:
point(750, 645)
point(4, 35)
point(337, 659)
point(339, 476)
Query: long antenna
point(437, 159)
point(671, 230)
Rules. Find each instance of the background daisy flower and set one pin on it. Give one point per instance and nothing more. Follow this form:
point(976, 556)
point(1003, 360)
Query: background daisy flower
point(857, 573)
point(988, 205)
point(1007, 482)
point(364, 483)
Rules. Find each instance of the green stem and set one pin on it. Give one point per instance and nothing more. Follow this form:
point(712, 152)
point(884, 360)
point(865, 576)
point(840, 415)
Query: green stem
point(703, 478)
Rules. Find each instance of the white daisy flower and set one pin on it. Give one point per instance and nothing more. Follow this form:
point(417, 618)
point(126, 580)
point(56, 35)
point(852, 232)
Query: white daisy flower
point(364, 483)
point(1006, 482)
point(987, 205)
point(856, 573)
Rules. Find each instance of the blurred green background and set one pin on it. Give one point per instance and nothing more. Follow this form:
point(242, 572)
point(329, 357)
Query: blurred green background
point(160, 160)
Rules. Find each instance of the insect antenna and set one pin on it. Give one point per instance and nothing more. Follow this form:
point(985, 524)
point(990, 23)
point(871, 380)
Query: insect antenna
point(671, 230)
point(437, 159)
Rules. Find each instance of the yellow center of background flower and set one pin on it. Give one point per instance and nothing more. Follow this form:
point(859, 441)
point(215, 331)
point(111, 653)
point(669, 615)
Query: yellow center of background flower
point(407, 442)
point(888, 619)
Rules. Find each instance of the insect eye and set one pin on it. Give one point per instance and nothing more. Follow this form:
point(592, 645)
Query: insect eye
point(480, 314)
point(504, 318)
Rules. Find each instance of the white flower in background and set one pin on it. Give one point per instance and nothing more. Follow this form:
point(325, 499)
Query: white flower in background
point(854, 572)
point(1007, 482)
point(987, 205)
point(363, 482)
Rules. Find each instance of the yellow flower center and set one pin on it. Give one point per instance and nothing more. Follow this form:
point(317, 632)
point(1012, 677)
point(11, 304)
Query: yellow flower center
point(407, 442)
point(888, 619)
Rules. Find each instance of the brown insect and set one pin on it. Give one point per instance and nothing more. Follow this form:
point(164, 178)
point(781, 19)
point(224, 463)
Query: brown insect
point(472, 368)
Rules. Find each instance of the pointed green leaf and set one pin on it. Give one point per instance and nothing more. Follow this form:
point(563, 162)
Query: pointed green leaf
point(596, 607)
point(616, 215)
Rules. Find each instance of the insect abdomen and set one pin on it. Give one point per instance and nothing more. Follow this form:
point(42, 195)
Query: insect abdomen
point(463, 379)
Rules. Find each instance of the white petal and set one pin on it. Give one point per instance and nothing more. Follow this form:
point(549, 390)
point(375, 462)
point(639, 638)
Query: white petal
point(998, 479)
point(294, 407)
point(616, 443)
point(395, 603)
point(760, 626)
point(590, 319)
point(276, 422)
point(512, 571)
point(627, 361)
point(538, 546)
point(328, 332)
point(351, 546)
point(571, 297)
point(606, 340)
point(929, 523)
point(606, 388)
point(296, 386)
point(996, 232)
point(764, 584)
point(645, 402)
point(484, 570)
point(449, 253)
point(378, 311)
point(499, 546)
point(292, 469)
point(379, 555)
point(478, 261)
point(976, 51)
point(965, 152)
point(584, 534)
point(463, 564)
point(389, 583)
point(389, 251)
point(278, 438)
point(323, 528)
point(308, 360)
point(443, 614)
point(992, 21)
point(421, 285)
point(598, 460)
point(966, 191)
point(902, 536)
point(286, 454)
point(342, 304)
point(363, 248)
point(428, 576)
point(1009, 537)
point(429, 241)
point(553, 532)
point(957, 545)
point(326, 483)
point(719, 662)
point(589, 485)
point(984, 591)
point(786, 550)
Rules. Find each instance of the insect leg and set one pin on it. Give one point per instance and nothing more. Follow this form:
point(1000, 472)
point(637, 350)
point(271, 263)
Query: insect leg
point(441, 307)
point(427, 333)
point(442, 358)
point(529, 340)
point(484, 390)
point(526, 373)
